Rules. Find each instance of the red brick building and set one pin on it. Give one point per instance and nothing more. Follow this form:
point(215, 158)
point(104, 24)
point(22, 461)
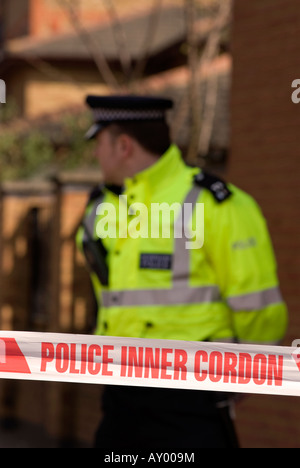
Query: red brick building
point(265, 161)
point(45, 18)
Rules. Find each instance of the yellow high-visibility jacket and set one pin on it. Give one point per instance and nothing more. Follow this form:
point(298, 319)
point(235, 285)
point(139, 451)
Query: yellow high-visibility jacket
point(157, 278)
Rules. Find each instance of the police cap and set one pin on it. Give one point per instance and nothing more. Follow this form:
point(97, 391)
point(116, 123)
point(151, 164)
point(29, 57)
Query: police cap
point(110, 109)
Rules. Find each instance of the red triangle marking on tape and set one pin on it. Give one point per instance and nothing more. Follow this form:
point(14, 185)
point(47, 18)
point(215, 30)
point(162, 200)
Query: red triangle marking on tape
point(296, 356)
point(11, 357)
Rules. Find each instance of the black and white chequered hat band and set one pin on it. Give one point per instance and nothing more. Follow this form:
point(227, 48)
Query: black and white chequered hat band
point(111, 115)
point(109, 109)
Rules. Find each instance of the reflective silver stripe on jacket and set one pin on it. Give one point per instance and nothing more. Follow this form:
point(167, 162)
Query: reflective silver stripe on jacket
point(173, 296)
point(255, 301)
point(181, 256)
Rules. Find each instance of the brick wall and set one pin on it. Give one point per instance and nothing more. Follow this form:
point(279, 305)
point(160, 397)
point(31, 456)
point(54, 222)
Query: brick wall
point(56, 20)
point(45, 287)
point(265, 161)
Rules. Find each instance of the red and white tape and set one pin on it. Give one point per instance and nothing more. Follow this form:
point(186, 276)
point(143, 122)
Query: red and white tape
point(224, 367)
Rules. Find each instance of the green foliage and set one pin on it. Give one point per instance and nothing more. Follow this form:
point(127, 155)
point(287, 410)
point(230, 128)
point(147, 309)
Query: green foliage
point(45, 149)
point(8, 111)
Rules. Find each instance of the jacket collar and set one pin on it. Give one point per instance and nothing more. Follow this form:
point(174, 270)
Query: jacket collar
point(161, 172)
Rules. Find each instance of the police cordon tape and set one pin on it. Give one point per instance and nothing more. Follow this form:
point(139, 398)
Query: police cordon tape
point(224, 367)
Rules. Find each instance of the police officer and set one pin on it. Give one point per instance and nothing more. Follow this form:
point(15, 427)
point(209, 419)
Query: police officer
point(147, 286)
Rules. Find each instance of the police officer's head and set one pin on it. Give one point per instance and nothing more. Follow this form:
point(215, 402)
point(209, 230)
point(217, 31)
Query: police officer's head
point(131, 133)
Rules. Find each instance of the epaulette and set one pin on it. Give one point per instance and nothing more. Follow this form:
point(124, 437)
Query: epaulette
point(214, 184)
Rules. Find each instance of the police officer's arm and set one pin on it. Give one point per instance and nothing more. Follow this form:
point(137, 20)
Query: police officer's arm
point(92, 248)
point(239, 247)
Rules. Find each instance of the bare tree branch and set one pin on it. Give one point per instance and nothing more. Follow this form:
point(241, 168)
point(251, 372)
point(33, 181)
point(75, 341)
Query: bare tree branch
point(222, 20)
point(51, 71)
point(120, 38)
point(210, 52)
point(211, 96)
point(208, 116)
point(94, 49)
point(150, 34)
point(194, 91)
